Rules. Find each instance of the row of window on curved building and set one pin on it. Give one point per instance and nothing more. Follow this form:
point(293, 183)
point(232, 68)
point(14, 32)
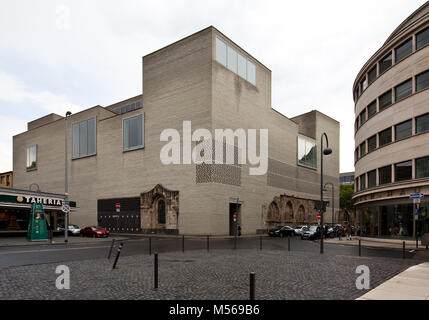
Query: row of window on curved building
point(400, 92)
point(401, 131)
point(397, 54)
point(402, 171)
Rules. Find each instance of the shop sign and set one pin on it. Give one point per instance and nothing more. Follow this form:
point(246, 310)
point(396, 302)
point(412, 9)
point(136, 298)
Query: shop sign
point(29, 199)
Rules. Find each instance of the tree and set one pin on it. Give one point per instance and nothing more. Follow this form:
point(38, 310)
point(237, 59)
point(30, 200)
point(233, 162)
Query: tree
point(346, 193)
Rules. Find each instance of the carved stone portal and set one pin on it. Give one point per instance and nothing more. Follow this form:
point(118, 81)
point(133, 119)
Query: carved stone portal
point(160, 210)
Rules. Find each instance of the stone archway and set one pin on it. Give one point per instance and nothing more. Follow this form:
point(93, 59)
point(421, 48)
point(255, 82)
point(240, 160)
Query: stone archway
point(301, 218)
point(273, 216)
point(160, 211)
point(289, 211)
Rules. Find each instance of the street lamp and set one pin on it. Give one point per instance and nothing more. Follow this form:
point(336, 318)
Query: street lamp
point(323, 152)
point(324, 189)
point(66, 185)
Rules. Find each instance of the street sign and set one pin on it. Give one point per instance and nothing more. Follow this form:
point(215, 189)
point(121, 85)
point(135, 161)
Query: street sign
point(118, 207)
point(66, 208)
point(235, 217)
point(319, 216)
point(417, 196)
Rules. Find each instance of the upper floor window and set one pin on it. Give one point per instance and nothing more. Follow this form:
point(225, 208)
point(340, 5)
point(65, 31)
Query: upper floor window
point(422, 123)
point(372, 75)
point(403, 130)
point(403, 171)
point(385, 175)
point(133, 133)
point(83, 138)
point(230, 58)
point(362, 117)
point(356, 154)
point(362, 148)
point(385, 63)
point(362, 182)
point(2, 180)
point(422, 81)
point(307, 153)
point(422, 168)
point(403, 90)
point(372, 179)
point(385, 137)
point(404, 50)
point(372, 143)
point(363, 84)
point(372, 109)
point(32, 157)
point(385, 100)
point(422, 38)
point(128, 107)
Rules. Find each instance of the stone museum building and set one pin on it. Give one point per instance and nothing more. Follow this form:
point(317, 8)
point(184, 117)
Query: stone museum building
point(116, 175)
point(391, 94)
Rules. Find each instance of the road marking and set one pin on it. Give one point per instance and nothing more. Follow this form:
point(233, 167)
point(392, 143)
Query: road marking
point(48, 250)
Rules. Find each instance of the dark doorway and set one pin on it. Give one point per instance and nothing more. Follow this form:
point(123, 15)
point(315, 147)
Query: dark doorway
point(234, 208)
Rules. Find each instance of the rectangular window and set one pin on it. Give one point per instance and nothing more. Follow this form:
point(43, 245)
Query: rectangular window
point(232, 59)
point(422, 168)
point(32, 157)
point(133, 133)
point(362, 182)
point(385, 100)
point(83, 138)
point(363, 84)
point(362, 148)
point(422, 123)
point(385, 175)
point(307, 153)
point(403, 171)
point(372, 109)
point(251, 73)
point(385, 63)
point(385, 137)
point(372, 75)
point(242, 66)
point(403, 130)
point(372, 179)
point(422, 38)
point(372, 143)
point(422, 81)
point(357, 154)
point(362, 117)
point(220, 51)
point(3, 182)
point(404, 50)
point(404, 90)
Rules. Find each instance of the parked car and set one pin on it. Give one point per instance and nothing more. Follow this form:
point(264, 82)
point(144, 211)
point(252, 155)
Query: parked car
point(313, 233)
point(96, 232)
point(300, 230)
point(74, 230)
point(287, 231)
point(275, 232)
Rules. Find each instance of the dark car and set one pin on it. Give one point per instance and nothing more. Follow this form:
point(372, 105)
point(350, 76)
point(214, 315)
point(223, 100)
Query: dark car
point(313, 233)
point(281, 231)
point(95, 232)
point(275, 232)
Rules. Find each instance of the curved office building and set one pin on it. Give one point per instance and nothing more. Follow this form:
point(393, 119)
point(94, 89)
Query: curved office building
point(391, 94)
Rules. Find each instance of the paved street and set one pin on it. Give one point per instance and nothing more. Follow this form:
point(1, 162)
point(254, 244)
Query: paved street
point(223, 273)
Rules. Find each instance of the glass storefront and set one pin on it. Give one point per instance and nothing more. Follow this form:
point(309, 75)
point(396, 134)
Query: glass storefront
point(13, 219)
point(393, 220)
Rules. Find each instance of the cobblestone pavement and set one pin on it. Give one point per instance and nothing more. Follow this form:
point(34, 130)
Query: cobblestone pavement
point(198, 275)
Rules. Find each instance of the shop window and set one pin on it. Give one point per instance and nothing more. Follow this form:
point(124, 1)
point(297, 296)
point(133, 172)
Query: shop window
point(403, 130)
point(83, 138)
point(32, 158)
point(422, 123)
point(403, 90)
point(385, 175)
point(422, 38)
point(404, 50)
point(385, 137)
point(372, 179)
point(385, 100)
point(385, 63)
point(307, 153)
point(372, 143)
point(422, 81)
point(422, 168)
point(133, 133)
point(403, 171)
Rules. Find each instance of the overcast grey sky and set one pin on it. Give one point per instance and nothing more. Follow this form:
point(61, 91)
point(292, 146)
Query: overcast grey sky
point(72, 55)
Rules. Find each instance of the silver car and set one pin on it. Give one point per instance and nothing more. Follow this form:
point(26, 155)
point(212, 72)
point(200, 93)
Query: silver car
point(299, 231)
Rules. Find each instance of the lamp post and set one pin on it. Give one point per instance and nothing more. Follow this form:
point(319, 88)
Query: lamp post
point(333, 206)
point(66, 185)
point(323, 152)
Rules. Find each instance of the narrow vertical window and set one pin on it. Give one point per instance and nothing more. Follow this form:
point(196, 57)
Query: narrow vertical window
point(32, 158)
point(84, 138)
point(133, 133)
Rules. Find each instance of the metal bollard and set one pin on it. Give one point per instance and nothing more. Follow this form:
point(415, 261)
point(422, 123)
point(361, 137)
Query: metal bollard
point(183, 244)
point(252, 286)
point(417, 242)
point(156, 271)
point(288, 244)
point(403, 250)
point(111, 248)
point(360, 249)
point(117, 256)
point(260, 243)
point(208, 243)
point(150, 246)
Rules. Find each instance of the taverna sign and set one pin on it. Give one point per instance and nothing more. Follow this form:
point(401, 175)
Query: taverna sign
point(42, 200)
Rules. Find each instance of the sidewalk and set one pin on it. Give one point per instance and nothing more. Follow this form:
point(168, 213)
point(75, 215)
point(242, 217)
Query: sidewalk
point(22, 241)
point(377, 243)
point(412, 284)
